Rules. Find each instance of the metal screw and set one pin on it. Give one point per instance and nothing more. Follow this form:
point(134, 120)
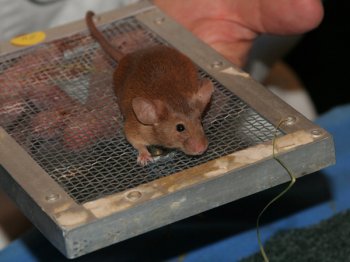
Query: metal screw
point(159, 20)
point(134, 195)
point(217, 64)
point(290, 120)
point(316, 132)
point(52, 197)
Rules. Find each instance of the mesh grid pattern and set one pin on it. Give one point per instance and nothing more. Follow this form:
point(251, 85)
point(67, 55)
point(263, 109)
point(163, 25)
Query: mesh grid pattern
point(56, 100)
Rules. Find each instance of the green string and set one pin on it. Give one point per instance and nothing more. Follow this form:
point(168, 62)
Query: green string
point(292, 181)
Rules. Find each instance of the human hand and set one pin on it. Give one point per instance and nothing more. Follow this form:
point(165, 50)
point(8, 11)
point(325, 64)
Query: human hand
point(230, 26)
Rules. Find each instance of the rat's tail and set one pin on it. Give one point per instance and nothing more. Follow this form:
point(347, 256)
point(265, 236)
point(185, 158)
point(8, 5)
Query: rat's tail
point(106, 46)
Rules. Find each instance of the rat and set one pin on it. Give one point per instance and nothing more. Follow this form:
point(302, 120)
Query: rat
point(160, 96)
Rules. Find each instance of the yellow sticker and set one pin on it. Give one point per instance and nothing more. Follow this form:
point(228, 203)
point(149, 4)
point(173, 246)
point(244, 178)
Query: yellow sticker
point(29, 39)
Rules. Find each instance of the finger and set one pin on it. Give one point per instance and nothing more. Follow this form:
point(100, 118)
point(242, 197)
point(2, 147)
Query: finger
point(282, 17)
point(230, 39)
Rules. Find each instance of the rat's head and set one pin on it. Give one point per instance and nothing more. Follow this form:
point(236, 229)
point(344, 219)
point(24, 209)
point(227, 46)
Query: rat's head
point(174, 127)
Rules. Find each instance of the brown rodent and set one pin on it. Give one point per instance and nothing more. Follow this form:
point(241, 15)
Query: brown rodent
point(160, 96)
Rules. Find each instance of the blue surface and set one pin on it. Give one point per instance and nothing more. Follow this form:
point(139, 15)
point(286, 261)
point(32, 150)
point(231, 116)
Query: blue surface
point(337, 122)
point(34, 247)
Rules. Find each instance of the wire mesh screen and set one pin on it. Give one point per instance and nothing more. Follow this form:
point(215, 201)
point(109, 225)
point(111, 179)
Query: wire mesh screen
point(57, 102)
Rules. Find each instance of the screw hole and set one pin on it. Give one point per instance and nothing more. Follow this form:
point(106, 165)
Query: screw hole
point(290, 120)
point(217, 64)
point(159, 20)
point(52, 197)
point(134, 195)
point(316, 132)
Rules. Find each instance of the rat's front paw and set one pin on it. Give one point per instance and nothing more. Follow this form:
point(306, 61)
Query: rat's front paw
point(144, 158)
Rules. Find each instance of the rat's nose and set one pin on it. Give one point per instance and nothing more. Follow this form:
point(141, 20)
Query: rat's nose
point(196, 146)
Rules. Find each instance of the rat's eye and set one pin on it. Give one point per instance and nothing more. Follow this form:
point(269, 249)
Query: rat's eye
point(180, 127)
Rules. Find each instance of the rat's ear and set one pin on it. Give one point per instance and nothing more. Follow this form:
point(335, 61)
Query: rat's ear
point(148, 112)
point(206, 89)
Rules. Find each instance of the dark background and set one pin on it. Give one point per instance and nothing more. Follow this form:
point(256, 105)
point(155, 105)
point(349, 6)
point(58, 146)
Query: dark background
point(321, 59)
